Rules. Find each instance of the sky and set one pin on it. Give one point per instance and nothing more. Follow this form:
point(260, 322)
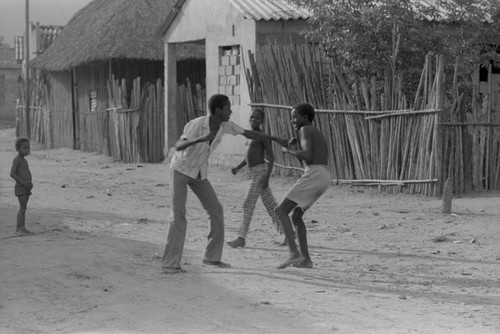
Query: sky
point(47, 12)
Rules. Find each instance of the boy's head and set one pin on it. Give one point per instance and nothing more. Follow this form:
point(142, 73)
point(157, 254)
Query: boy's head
point(305, 109)
point(217, 101)
point(23, 146)
point(257, 118)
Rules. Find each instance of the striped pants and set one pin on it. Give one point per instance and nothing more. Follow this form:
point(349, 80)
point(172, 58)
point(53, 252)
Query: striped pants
point(255, 191)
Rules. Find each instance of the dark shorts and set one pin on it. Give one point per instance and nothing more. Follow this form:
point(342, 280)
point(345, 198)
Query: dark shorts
point(19, 190)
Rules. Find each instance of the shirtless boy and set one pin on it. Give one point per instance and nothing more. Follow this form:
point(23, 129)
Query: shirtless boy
point(20, 172)
point(259, 186)
point(312, 151)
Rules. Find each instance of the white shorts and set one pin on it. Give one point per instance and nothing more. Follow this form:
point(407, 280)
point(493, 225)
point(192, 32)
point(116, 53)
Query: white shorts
point(311, 185)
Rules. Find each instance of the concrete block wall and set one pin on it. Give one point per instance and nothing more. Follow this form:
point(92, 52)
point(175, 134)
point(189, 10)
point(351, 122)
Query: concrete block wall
point(229, 73)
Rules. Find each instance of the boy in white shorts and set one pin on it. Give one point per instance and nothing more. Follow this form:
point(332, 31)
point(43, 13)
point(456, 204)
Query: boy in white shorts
point(308, 189)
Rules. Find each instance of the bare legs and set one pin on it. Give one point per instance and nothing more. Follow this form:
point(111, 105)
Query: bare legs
point(300, 227)
point(295, 256)
point(21, 215)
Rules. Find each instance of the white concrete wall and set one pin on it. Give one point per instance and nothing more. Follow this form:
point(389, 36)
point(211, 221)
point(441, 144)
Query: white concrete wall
point(219, 24)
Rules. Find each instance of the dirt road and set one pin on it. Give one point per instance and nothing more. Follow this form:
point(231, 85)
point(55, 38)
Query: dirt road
point(92, 267)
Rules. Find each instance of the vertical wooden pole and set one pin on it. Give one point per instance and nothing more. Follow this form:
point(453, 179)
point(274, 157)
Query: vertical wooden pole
point(170, 96)
point(489, 161)
point(27, 69)
point(438, 130)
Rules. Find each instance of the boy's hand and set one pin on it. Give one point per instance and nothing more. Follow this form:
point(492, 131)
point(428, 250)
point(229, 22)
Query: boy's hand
point(292, 141)
point(235, 170)
point(30, 185)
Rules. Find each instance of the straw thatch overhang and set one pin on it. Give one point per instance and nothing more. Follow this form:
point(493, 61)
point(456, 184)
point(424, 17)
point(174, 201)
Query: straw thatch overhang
point(112, 29)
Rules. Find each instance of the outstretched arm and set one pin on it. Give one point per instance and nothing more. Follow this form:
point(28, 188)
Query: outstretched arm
point(305, 152)
point(236, 169)
point(257, 135)
point(182, 144)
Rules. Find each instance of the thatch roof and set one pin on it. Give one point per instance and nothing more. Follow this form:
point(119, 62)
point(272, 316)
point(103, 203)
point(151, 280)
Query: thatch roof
point(111, 29)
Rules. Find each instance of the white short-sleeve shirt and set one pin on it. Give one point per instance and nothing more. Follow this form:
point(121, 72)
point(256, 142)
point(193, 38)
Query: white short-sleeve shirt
point(193, 161)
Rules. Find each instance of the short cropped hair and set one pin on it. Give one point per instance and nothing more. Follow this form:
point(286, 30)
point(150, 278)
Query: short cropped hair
point(217, 101)
point(20, 141)
point(305, 109)
point(261, 112)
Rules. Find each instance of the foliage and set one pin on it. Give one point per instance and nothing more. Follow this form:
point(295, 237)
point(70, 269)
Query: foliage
point(367, 37)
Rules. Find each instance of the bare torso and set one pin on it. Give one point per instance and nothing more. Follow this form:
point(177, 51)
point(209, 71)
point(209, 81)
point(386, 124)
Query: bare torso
point(23, 170)
point(255, 153)
point(311, 138)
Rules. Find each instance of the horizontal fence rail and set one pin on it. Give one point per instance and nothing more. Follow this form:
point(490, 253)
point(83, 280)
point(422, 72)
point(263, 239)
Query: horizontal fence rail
point(374, 135)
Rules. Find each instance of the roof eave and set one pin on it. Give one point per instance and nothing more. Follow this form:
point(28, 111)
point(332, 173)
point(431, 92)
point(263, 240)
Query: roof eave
point(165, 26)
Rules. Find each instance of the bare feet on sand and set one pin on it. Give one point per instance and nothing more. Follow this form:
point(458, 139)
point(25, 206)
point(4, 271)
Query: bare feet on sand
point(304, 264)
point(293, 259)
point(23, 231)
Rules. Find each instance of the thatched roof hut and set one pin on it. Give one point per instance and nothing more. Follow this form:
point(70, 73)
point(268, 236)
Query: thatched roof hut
point(112, 29)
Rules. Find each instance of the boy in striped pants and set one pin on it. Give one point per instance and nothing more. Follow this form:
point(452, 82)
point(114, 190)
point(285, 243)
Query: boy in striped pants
point(259, 186)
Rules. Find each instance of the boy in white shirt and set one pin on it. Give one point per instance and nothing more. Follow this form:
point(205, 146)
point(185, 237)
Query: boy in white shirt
point(189, 167)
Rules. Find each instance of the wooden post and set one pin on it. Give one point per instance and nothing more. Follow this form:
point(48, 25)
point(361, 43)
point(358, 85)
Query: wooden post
point(438, 130)
point(27, 69)
point(447, 196)
point(171, 134)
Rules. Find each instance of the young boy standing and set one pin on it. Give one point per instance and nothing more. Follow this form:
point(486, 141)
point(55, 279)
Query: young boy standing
point(259, 185)
point(312, 151)
point(20, 172)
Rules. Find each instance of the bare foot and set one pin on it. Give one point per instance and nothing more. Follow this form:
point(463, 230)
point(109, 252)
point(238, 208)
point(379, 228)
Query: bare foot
point(167, 270)
point(293, 259)
point(238, 242)
point(304, 264)
point(23, 231)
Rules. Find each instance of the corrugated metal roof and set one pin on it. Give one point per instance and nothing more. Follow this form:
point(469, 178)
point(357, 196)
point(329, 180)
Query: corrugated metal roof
point(270, 10)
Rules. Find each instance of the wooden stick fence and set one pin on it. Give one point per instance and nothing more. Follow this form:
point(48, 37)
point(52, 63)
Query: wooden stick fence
point(131, 129)
point(374, 132)
point(136, 124)
point(39, 114)
point(191, 102)
point(391, 147)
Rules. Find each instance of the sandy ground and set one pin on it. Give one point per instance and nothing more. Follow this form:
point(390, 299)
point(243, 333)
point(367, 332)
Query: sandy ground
point(93, 265)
